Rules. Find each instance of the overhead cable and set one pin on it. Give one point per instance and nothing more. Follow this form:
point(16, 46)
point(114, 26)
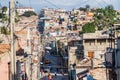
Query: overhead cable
point(99, 3)
point(30, 3)
point(52, 3)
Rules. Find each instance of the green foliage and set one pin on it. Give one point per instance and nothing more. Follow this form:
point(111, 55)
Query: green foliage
point(75, 21)
point(4, 9)
point(82, 9)
point(3, 15)
point(88, 28)
point(87, 8)
point(77, 13)
point(17, 17)
point(29, 13)
point(104, 17)
point(0, 15)
point(4, 30)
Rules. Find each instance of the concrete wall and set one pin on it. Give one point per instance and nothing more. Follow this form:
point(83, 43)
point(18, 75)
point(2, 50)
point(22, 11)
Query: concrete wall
point(4, 71)
point(72, 56)
point(99, 48)
point(97, 43)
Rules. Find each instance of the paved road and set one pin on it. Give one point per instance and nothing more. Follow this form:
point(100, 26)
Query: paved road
point(57, 77)
point(54, 62)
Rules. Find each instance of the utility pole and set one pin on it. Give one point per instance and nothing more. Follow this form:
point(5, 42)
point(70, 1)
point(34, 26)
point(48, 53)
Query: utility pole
point(12, 24)
point(39, 57)
point(29, 55)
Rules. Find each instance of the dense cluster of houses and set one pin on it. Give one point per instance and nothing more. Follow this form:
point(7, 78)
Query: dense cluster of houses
point(87, 52)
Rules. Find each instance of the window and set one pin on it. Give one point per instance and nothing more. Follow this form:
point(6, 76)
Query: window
point(101, 41)
point(90, 42)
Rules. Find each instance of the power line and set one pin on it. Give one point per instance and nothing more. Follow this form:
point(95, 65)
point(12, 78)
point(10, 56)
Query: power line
point(30, 3)
point(51, 3)
point(2, 2)
point(111, 2)
point(98, 3)
point(118, 2)
point(27, 25)
point(18, 4)
point(85, 2)
point(0, 5)
point(105, 2)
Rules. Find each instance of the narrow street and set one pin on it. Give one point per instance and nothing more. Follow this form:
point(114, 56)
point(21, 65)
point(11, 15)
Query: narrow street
point(60, 39)
point(53, 68)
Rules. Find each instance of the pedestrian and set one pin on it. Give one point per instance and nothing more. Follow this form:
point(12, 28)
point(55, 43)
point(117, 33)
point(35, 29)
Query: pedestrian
point(41, 71)
point(50, 77)
point(55, 74)
point(24, 76)
point(89, 76)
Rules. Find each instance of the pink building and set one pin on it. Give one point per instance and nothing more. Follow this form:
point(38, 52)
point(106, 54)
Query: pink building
point(4, 60)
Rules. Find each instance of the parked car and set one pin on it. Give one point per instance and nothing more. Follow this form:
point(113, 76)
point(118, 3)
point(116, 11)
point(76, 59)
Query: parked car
point(47, 61)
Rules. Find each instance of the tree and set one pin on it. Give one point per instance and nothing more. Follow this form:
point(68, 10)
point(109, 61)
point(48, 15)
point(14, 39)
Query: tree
point(29, 13)
point(88, 28)
point(87, 8)
point(0, 15)
point(4, 30)
point(17, 17)
point(82, 9)
point(3, 15)
point(4, 9)
point(104, 17)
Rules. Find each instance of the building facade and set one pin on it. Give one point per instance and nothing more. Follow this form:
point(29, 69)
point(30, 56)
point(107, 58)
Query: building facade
point(21, 10)
point(96, 43)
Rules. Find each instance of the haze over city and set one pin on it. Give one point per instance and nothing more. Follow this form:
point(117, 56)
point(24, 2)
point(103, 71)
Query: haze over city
point(64, 4)
point(60, 40)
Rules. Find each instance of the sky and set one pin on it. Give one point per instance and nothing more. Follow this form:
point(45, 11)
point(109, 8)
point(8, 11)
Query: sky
point(64, 4)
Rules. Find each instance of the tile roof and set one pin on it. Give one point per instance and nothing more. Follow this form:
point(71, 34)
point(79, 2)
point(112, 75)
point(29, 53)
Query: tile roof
point(90, 14)
point(21, 32)
point(4, 48)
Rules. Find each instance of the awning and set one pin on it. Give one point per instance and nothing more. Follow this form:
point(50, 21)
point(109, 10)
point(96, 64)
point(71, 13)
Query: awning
point(45, 18)
point(48, 48)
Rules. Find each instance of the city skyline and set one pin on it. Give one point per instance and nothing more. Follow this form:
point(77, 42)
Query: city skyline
point(64, 4)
